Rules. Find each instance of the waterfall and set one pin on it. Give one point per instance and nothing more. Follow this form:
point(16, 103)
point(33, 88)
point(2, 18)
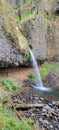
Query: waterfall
point(39, 84)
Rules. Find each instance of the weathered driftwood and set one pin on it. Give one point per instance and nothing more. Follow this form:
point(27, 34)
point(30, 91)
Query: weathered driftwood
point(12, 105)
point(17, 113)
point(54, 113)
point(20, 106)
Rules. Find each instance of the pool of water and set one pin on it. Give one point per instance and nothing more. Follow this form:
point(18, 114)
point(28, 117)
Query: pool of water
point(51, 95)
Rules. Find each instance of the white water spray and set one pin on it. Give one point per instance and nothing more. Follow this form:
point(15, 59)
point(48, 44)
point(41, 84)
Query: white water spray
point(39, 84)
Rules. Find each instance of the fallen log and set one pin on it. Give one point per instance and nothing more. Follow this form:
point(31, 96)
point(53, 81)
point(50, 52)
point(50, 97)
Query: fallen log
point(12, 105)
point(25, 106)
point(54, 113)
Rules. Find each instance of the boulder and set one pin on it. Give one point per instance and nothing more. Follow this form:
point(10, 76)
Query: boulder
point(53, 79)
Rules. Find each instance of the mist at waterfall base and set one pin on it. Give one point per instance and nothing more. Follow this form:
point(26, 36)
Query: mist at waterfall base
point(38, 84)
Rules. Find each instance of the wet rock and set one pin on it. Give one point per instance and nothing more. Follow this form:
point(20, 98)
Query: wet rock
point(45, 122)
point(50, 104)
point(53, 79)
point(41, 98)
point(43, 110)
point(51, 127)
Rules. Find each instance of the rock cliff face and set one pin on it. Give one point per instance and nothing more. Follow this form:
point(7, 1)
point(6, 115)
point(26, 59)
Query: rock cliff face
point(13, 44)
point(43, 32)
point(9, 55)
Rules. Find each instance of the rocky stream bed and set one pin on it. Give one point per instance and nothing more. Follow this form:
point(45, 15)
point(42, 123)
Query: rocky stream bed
point(29, 104)
point(41, 107)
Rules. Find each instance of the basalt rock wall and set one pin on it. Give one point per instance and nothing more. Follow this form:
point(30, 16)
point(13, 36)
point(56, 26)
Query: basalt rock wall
point(42, 32)
point(13, 45)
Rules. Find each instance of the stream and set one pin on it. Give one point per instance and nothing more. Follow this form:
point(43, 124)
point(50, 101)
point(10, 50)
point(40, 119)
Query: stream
point(52, 95)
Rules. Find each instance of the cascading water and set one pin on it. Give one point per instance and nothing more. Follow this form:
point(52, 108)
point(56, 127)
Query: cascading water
point(39, 84)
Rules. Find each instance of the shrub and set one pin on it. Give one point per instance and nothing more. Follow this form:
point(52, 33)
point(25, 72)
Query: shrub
point(1, 96)
point(24, 126)
point(9, 84)
point(17, 19)
point(30, 46)
point(16, 7)
point(47, 67)
point(27, 57)
point(30, 121)
point(7, 122)
point(33, 77)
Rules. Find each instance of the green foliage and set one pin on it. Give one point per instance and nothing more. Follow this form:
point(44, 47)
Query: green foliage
point(7, 122)
point(32, 77)
point(57, 69)
point(30, 121)
point(16, 7)
point(24, 126)
point(47, 67)
point(44, 71)
point(1, 96)
point(9, 84)
point(28, 15)
point(28, 1)
point(11, 124)
point(27, 57)
point(17, 19)
point(30, 46)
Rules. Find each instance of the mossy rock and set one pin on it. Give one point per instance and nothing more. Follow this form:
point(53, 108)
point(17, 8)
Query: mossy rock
point(10, 27)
